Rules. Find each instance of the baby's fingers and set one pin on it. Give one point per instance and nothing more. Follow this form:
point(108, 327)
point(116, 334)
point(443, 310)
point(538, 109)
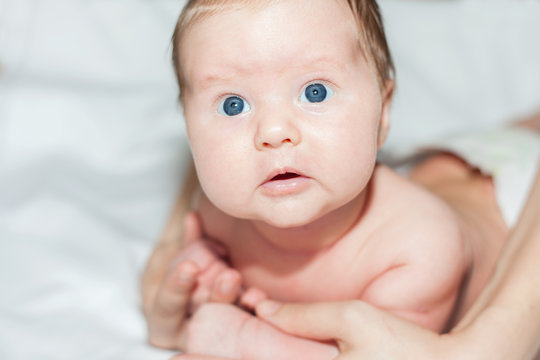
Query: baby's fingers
point(251, 297)
point(226, 287)
point(170, 306)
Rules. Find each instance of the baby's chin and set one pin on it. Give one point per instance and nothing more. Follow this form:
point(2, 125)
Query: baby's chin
point(288, 220)
point(278, 218)
point(284, 223)
point(294, 215)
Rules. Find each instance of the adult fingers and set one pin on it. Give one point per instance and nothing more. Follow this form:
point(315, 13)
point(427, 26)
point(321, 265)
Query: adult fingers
point(192, 228)
point(156, 270)
point(170, 306)
point(317, 321)
point(360, 330)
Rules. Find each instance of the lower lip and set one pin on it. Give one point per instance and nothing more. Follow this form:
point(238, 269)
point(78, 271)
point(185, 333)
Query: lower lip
point(285, 187)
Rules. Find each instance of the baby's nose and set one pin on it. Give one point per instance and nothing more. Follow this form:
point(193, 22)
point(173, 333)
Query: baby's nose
point(276, 131)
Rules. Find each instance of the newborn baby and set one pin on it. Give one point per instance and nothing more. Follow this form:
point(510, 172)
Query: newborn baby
point(286, 104)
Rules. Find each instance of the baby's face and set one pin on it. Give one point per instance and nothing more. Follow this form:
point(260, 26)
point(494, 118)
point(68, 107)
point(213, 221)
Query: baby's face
point(282, 110)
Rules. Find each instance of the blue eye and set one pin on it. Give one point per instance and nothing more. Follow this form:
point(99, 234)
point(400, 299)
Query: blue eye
point(316, 93)
point(233, 105)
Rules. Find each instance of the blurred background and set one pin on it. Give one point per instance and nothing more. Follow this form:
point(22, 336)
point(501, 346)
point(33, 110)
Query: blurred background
point(92, 145)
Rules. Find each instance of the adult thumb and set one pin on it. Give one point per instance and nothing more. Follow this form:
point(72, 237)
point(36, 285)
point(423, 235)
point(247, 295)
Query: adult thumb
point(192, 228)
point(316, 321)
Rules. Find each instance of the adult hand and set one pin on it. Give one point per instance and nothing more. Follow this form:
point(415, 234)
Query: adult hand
point(195, 275)
point(365, 332)
point(360, 330)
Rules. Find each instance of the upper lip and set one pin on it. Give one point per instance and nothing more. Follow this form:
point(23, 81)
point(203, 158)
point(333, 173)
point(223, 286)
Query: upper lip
point(283, 171)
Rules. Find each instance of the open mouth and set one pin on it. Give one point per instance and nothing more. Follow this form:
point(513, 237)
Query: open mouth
point(285, 182)
point(285, 176)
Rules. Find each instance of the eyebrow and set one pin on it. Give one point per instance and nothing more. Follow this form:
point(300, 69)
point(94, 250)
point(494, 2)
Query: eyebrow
point(325, 61)
point(210, 79)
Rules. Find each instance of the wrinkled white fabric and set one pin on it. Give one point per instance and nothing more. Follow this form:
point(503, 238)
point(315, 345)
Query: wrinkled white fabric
point(510, 155)
point(462, 65)
point(92, 147)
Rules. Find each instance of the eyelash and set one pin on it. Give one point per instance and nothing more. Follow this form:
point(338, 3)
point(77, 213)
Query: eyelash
point(218, 99)
point(319, 81)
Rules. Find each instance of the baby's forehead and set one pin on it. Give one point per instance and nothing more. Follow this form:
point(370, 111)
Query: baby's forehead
point(367, 43)
point(204, 9)
point(262, 21)
point(277, 38)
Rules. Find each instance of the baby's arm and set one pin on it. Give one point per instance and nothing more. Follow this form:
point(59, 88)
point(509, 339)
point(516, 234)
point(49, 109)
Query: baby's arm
point(195, 275)
point(422, 283)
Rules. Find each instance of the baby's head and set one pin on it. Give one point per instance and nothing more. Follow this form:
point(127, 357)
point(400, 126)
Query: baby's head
point(286, 103)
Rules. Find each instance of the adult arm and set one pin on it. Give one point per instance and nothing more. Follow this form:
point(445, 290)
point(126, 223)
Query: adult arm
point(166, 250)
point(509, 308)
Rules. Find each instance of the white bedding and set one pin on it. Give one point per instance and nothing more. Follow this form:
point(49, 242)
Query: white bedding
point(92, 146)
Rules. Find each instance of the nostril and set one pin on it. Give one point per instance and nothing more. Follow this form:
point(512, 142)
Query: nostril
point(276, 144)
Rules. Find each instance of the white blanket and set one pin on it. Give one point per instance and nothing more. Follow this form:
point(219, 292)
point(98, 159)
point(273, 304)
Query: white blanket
point(92, 146)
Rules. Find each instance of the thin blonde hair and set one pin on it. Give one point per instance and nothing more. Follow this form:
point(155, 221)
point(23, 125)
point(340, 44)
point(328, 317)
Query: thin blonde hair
point(366, 14)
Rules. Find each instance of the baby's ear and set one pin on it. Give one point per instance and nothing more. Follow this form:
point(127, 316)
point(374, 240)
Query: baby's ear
point(384, 123)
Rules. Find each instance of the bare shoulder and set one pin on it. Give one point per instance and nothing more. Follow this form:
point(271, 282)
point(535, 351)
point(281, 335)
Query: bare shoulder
point(418, 225)
point(410, 207)
point(389, 185)
point(426, 254)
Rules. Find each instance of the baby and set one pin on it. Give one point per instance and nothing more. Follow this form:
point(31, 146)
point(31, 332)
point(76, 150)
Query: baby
point(286, 104)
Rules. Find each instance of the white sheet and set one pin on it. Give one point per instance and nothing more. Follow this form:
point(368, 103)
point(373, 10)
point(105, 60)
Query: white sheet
point(461, 64)
point(92, 146)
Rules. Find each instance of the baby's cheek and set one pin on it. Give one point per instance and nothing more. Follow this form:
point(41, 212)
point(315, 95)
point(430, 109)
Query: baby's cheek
point(226, 187)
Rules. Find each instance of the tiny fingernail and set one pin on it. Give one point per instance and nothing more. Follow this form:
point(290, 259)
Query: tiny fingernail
point(185, 277)
point(226, 287)
point(268, 307)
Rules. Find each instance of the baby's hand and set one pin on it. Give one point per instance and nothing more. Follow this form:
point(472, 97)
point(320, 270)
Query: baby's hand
point(201, 265)
point(226, 331)
point(198, 274)
point(204, 276)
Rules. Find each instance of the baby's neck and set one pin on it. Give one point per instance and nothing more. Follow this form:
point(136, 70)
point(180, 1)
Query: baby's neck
point(319, 234)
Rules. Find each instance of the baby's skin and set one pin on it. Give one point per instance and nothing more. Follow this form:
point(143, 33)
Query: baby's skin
point(433, 242)
point(404, 253)
point(285, 114)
